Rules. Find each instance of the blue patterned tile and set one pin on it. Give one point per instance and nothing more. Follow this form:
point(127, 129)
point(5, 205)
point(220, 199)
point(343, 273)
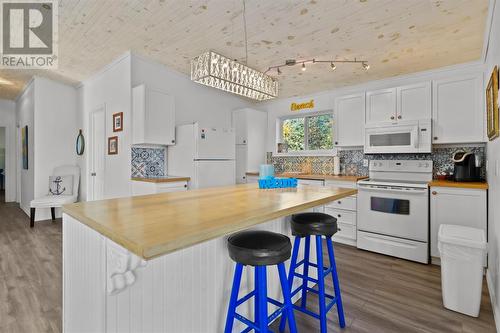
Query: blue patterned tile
point(148, 162)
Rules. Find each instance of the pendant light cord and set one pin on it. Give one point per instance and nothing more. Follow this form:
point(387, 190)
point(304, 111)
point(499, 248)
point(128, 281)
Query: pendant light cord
point(245, 30)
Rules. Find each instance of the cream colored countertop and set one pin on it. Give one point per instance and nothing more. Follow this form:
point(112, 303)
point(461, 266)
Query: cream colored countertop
point(451, 183)
point(161, 179)
point(314, 176)
point(153, 225)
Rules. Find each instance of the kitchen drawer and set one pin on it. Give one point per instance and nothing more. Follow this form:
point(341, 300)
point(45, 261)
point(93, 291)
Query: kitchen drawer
point(313, 182)
point(344, 216)
point(162, 187)
point(345, 231)
point(348, 203)
point(341, 183)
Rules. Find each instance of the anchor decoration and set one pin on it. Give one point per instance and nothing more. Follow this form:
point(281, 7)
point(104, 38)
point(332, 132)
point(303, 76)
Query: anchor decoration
point(58, 190)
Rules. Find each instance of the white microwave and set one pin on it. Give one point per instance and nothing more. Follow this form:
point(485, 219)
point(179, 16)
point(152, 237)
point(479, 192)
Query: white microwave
point(410, 136)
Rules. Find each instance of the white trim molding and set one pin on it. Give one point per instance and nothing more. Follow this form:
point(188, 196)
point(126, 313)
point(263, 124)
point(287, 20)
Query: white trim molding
point(493, 299)
point(120, 268)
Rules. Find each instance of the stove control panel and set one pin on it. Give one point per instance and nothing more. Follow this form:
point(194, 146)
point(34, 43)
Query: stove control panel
point(401, 165)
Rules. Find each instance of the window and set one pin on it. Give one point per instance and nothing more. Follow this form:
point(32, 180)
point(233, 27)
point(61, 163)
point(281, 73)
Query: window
point(308, 133)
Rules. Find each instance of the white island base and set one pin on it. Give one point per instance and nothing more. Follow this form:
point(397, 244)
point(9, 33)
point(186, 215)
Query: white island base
point(108, 289)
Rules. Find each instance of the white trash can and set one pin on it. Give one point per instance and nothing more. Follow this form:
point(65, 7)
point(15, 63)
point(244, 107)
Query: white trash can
point(463, 251)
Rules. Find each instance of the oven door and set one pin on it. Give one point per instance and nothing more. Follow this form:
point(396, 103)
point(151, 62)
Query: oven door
point(394, 211)
point(383, 139)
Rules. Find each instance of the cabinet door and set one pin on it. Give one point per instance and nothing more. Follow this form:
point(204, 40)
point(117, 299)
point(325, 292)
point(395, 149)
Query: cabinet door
point(381, 105)
point(457, 111)
point(466, 207)
point(240, 125)
point(414, 102)
point(160, 118)
point(241, 164)
point(349, 120)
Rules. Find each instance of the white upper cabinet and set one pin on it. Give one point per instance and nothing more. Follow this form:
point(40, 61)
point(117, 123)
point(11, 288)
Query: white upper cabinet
point(414, 102)
point(240, 125)
point(153, 114)
point(457, 111)
point(381, 105)
point(349, 120)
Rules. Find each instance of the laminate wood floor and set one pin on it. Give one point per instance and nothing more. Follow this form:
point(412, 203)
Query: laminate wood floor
point(380, 293)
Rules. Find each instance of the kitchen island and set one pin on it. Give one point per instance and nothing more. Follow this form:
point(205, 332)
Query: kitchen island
point(159, 263)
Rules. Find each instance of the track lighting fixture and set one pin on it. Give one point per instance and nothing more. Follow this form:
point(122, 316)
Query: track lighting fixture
point(333, 66)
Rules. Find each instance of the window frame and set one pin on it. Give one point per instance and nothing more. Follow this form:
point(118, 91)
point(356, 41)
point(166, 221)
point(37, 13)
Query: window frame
point(306, 151)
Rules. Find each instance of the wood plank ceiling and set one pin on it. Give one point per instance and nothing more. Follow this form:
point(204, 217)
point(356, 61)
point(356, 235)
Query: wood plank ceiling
point(395, 36)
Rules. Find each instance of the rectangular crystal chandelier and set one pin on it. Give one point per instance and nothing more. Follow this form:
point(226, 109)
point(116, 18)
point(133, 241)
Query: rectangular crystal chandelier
point(217, 71)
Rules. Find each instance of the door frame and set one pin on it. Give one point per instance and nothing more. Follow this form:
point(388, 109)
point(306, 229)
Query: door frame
point(10, 180)
point(90, 160)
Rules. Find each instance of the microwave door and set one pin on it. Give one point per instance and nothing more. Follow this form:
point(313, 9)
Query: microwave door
point(391, 140)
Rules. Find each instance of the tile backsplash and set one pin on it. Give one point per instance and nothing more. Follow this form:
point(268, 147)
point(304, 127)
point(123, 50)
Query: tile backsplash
point(351, 161)
point(148, 162)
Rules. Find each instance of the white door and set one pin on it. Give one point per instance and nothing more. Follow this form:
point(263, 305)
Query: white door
point(215, 143)
point(381, 105)
point(214, 173)
point(349, 120)
point(457, 110)
point(97, 153)
point(414, 102)
point(240, 125)
point(458, 206)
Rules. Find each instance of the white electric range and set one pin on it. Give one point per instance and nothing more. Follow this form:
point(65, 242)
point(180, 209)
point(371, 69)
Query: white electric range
point(393, 209)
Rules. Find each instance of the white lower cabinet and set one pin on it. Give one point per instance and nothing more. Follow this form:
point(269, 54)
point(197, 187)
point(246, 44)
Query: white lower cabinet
point(458, 206)
point(251, 179)
point(344, 210)
point(145, 188)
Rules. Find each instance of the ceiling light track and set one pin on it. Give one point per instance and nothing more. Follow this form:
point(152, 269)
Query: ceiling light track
point(292, 62)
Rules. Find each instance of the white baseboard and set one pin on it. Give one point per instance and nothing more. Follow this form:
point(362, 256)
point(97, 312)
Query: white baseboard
point(493, 298)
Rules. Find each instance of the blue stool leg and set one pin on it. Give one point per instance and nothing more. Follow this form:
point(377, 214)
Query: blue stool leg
point(336, 285)
point(295, 253)
point(256, 298)
point(234, 298)
point(303, 302)
point(321, 285)
point(287, 299)
point(262, 292)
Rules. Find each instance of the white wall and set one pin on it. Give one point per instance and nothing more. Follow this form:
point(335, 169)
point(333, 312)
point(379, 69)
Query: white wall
point(25, 111)
point(55, 133)
point(324, 100)
point(8, 123)
point(493, 153)
point(110, 87)
point(193, 102)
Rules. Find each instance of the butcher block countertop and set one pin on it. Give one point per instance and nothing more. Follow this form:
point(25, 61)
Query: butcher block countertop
point(451, 183)
point(153, 225)
point(314, 176)
point(161, 179)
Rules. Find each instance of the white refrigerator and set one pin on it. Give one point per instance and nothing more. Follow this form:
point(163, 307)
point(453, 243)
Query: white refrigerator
point(205, 154)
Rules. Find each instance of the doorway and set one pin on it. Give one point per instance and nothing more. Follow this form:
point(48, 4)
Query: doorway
point(97, 153)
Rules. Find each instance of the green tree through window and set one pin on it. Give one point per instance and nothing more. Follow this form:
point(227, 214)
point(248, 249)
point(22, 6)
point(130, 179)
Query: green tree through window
point(308, 133)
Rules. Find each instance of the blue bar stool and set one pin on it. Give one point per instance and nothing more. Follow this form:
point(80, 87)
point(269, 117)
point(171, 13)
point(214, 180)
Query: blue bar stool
point(305, 225)
point(259, 249)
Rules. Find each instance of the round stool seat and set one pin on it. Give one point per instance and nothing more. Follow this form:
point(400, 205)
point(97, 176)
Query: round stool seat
point(259, 248)
point(308, 224)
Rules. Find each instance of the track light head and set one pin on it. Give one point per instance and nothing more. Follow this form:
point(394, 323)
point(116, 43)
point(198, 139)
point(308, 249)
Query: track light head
point(333, 67)
point(303, 67)
point(366, 66)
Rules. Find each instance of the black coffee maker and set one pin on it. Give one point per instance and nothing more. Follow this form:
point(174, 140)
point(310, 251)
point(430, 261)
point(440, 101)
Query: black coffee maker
point(465, 169)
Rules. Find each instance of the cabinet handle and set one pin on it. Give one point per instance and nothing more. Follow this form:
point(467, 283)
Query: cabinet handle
point(435, 138)
point(400, 117)
point(339, 215)
point(185, 185)
point(339, 202)
point(93, 174)
point(434, 193)
point(392, 118)
point(173, 141)
point(338, 229)
point(336, 142)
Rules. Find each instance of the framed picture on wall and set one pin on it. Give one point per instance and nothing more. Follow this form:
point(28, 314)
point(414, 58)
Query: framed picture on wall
point(492, 105)
point(118, 122)
point(24, 144)
point(113, 145)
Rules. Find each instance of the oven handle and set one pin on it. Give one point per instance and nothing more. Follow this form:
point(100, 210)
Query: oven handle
point(413, 190)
